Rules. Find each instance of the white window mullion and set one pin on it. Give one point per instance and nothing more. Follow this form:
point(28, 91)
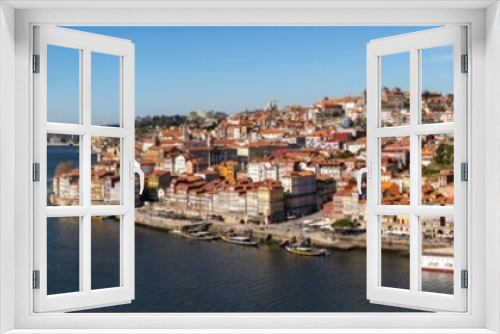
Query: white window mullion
point(106, 131)
point(401, 210)
point(372, 244)
point(85, 173)
point(433, 129)
point(392, 131)
point(67, 129)
point(85, 253)
point(414, 170)
point(40, 156)
point(460, 156)
point(123, 169)
point(127, 243)
point(422, 210)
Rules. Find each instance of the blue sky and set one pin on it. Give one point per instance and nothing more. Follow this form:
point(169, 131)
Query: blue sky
point(180, 69)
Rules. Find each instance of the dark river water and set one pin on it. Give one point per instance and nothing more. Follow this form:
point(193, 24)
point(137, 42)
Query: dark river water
point(173, 274)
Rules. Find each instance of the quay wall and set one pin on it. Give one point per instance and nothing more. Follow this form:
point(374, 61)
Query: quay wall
point(279, 233)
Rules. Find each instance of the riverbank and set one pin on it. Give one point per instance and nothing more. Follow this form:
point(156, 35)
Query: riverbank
point(280, 233)
point(63, 144)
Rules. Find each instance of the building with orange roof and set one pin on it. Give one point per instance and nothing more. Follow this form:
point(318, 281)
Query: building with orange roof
point(156, 184)
point(66, 188)
point(208, 175)
point(194, 165)
point(395, 224)
point(172, 134)
point(270, 169)
point(346, 205)
point(325, 188)
point(112, 194)
point(272, 133)
point(265, 202)
point(301, 195)
point(229, 169)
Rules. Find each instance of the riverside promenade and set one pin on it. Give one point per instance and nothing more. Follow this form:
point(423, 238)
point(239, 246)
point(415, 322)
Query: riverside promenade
point(289, 231)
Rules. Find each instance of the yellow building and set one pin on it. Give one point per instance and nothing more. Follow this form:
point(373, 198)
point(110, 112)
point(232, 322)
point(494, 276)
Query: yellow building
point(228, 170)
point(269, 204)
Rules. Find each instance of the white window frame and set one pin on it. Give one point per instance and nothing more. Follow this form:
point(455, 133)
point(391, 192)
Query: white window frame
point(483, 314)
point(413, 43)
point(86, 44)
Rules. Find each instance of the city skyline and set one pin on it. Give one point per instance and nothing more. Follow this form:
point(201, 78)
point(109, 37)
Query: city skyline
point(294, 65)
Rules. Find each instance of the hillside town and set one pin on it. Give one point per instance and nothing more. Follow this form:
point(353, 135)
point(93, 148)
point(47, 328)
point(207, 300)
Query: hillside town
point(276, 164)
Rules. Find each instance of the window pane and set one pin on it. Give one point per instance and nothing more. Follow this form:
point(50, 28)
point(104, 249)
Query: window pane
point(105, 182)
point(105, 252)
point(437, 169)
point(395, 175)
point(395, 237)
point(63, 85)
point(437, 84)
point(63, 255)
point(395, 94)
point(437, 254)
point(63, 175)
point(105, 89)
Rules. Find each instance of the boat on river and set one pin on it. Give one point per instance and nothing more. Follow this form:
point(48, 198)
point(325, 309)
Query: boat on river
point(240, 240)
point(443, 264)
point(201, 235)
point(304, 248)
point(307, 251)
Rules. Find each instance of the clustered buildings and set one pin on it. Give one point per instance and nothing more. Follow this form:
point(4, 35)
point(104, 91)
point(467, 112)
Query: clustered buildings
point(272, 164)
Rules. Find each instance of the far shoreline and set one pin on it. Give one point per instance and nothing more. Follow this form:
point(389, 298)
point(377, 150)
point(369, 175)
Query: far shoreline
point(62, 145)
point(279, 233)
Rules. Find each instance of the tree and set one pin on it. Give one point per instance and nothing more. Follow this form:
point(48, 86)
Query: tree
point(444, 156)
point(342, 223)
point(360, 123)
point(444, 159)
point(345, 154)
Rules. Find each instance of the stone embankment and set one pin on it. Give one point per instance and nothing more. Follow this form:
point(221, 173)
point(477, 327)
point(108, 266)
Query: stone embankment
point(289, 231)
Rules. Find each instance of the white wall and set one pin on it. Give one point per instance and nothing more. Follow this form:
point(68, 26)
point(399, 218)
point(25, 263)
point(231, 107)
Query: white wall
point(7, 159)
point(263, 17)
point(493, 163)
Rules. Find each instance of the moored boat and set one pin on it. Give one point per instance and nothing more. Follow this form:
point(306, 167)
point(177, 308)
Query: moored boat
point(307, 251)
point(240, 240)
point(201, 235)
point(442, 264)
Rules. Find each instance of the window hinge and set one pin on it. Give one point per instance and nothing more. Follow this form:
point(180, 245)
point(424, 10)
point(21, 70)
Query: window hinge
point(464, 172)
point(465, 64)
point(36, 172)
point(36, 63)
point(36, 279)
point(465, 279)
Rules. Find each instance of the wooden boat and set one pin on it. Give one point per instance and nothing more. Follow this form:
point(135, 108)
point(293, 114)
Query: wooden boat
point(240, 240)
point(201, 235)
point(307, 251)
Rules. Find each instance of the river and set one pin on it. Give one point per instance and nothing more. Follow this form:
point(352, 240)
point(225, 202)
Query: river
point(173, 274)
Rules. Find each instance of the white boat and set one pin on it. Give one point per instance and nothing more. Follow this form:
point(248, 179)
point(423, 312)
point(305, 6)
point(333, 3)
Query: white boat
point(437, 263)
point(240, 240)
point(307, 221)
point(307, 251)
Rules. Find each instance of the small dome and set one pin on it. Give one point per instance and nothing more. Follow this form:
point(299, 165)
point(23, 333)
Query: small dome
point(347, 123)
